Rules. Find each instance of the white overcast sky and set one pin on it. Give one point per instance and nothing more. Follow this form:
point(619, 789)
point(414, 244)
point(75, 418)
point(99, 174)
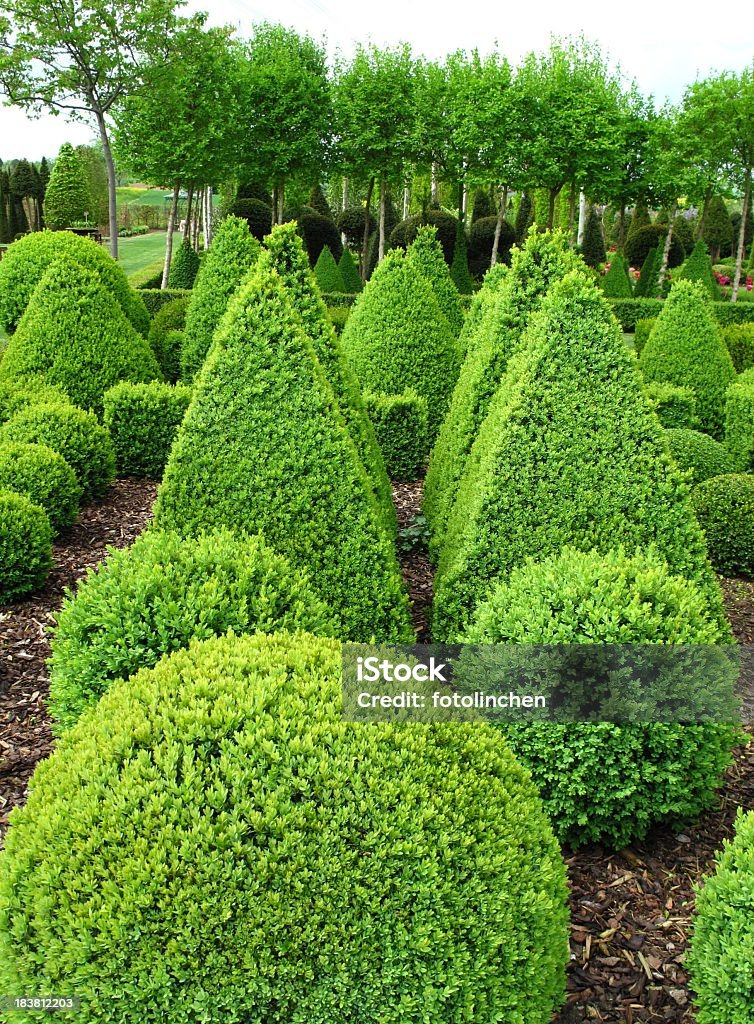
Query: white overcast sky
point(658, 42)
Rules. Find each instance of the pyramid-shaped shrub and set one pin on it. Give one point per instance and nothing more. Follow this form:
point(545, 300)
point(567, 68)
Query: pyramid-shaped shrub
point(616, 283)
point(686, 348)
point(349, 272)
point(698, 267)
point(233, 252)
point(27, 260)
point(646, 285)
point(74, 334)
point(459, 268)
point(397, 337)
point(543, 259)
point(185, 267)
point(327, 273)
point(425, 255)
point(571, 452)
point(288, 257)
point(264, 449)
point(480, 303)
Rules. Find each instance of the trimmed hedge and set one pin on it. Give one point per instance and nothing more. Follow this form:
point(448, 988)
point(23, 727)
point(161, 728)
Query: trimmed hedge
point(17, 395)
point(720, 956)
point(27, 261)
point(237, 833)
point(143, 420)
point(76, 336)
point(230, 257)
point(287, 256)
point(76, 435)
point(165, 334)
point(44, 477)
point(739, 340)
point(648, 773)
point(397, 337)
point(724, 507)
point(155, 298)
point(616, 284)
point(543, 259)
point(571, 452)
point(675, 407)
point(699, 454)
point(338, 317)
point(686, 348)
point(25, 546)
point(739, 421)
point(327, 272)
point(426, 257)
point(264, 448)
point(629, 311)
point(148, 277)
point(336, 300)
point(160, 594)
point(642, 330)
point(400, 424)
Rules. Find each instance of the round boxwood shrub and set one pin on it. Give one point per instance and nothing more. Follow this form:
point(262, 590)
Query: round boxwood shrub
point(26, 261)
point(699, 454)
point(143, 420)
point(165, 334)
point(724, 507)
point(158, 595)
point(481, 240)
point(25, 546)
point(76, 435)
point(648, 773)
point(44, 477)
point(425, 256)
point(75, 335)
point(351, 224)
point(256, 213)
point(722, 942)
point(639, 244)
point(404, 233)
point(317, 232)
point(18, 394)
point(234, 831)
point(185, 266)
point(327, 273)
point(675, 407)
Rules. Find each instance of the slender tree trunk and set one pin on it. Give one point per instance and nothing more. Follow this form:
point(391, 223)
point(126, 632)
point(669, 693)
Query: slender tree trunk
point(365, 241)
point(666, 250)
point(499, 225)
point(551, 207)
point(406, 200)
point(465, 201)
point(582, 220)
point(281, 201)
point(622, 226)
point(274, 205)
point(112, 201)
point(169, 236)
point(189, 211)
point(742, 236)
point(208, 217)
point(381, 248)
point(572, 215)
point(433, 185)
point(198, 210)
point(703, 218)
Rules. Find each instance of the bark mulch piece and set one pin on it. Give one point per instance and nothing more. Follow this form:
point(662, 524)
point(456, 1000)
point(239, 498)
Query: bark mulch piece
point(25, 736)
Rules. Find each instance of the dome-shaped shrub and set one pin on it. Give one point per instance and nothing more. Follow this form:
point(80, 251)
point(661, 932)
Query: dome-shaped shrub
point(686, 347)
point(722, 942)
point(185, 266)
point(317, 232)
point(351, 224)
point(251, 856)
point(481, 240)
point(25, 546)
point(640, 242)
point(404, 232)
point(231, 255)
point(44, 477)
point(256, 213)
point(675, 407)
point(327, 273)
point(18, 394)
point(26, 261)
point(76, 336)
point(76, 435)
point(156, 596)
point(700, 454)
point(168, 319)
point(648, 773)
point(724, 507)
point(425, 256)
point(397, 337)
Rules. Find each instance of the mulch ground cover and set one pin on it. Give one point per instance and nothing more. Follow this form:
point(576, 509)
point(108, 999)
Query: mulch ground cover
point(630, 911)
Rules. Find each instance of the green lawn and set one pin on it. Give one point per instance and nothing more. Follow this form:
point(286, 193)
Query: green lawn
point(142, 197)
point(141, 250)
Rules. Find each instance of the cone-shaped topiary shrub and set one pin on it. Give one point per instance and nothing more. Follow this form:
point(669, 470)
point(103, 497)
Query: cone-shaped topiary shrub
point(459, 268)
point(699, 454)
point(349, 272)
point(327, 273)
point(76, 336)
point(44, 477)
point(724, 507)
point(231, 255)
point(26, 261)
point(237, 832)
point(185, 266)
point(76, 435)
point(169, 318)
point(543, 259)
point(143, 420)
point(264, 448)
point(25, 546)
point(686, 347)
point(739, 421)
point(593, 247)
point(650, 772)
point(571, 452)
point(720, 957)
point(67, 196)
point(397, 337)
point(19, 394)
point(646, 286)
point(642, 330)
point(675, 407)
point(616, 284)
point(160, 594)
point(287, 255)
point(425, 256)
point(482, 300)
point(698, 267)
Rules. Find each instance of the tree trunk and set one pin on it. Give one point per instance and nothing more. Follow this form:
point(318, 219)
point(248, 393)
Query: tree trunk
point(208, 217)
point(622, 226)
point(169, 237)
point(274, 205)
point(499, 225)
point(465, 201)
point(381, 248)
point(365, 242)
point(406, 201)
point(582, 220)
point(433, 185)
point(189, 210)
point(742, 236)
point(281, 201)
point(666, 250)
point(112, 200)
point(703, 218)
point(572, 215)
point(198, 208)
point(551, 207)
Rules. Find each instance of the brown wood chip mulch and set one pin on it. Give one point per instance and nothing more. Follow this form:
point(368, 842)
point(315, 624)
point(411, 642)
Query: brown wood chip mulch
point(630, 911)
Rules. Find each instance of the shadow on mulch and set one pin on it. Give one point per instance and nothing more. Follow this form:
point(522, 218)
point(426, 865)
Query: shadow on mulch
point(630, 911)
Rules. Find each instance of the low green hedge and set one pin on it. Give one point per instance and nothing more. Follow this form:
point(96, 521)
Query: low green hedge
point(699, 454)
point(335, 299)
point(25, 546)
point(166, 346)
point(675, 406)
point(338, 317)
point(740, 341)
point(143, 420)
point(642, 330)
point(400, 423)
point(155, 298)
point(739, 421)
point(628, 311)
point(44, 477)
point(724, 507)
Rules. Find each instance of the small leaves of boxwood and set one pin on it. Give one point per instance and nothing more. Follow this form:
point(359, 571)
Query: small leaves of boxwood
point(400, 423)
point(699, 454)
point(25, 546)
point(724, 507)
point(44, 477)
point(143, 420)
point(675, 406)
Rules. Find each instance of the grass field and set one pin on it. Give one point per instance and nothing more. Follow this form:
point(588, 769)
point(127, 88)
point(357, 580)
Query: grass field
point(141, 250)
